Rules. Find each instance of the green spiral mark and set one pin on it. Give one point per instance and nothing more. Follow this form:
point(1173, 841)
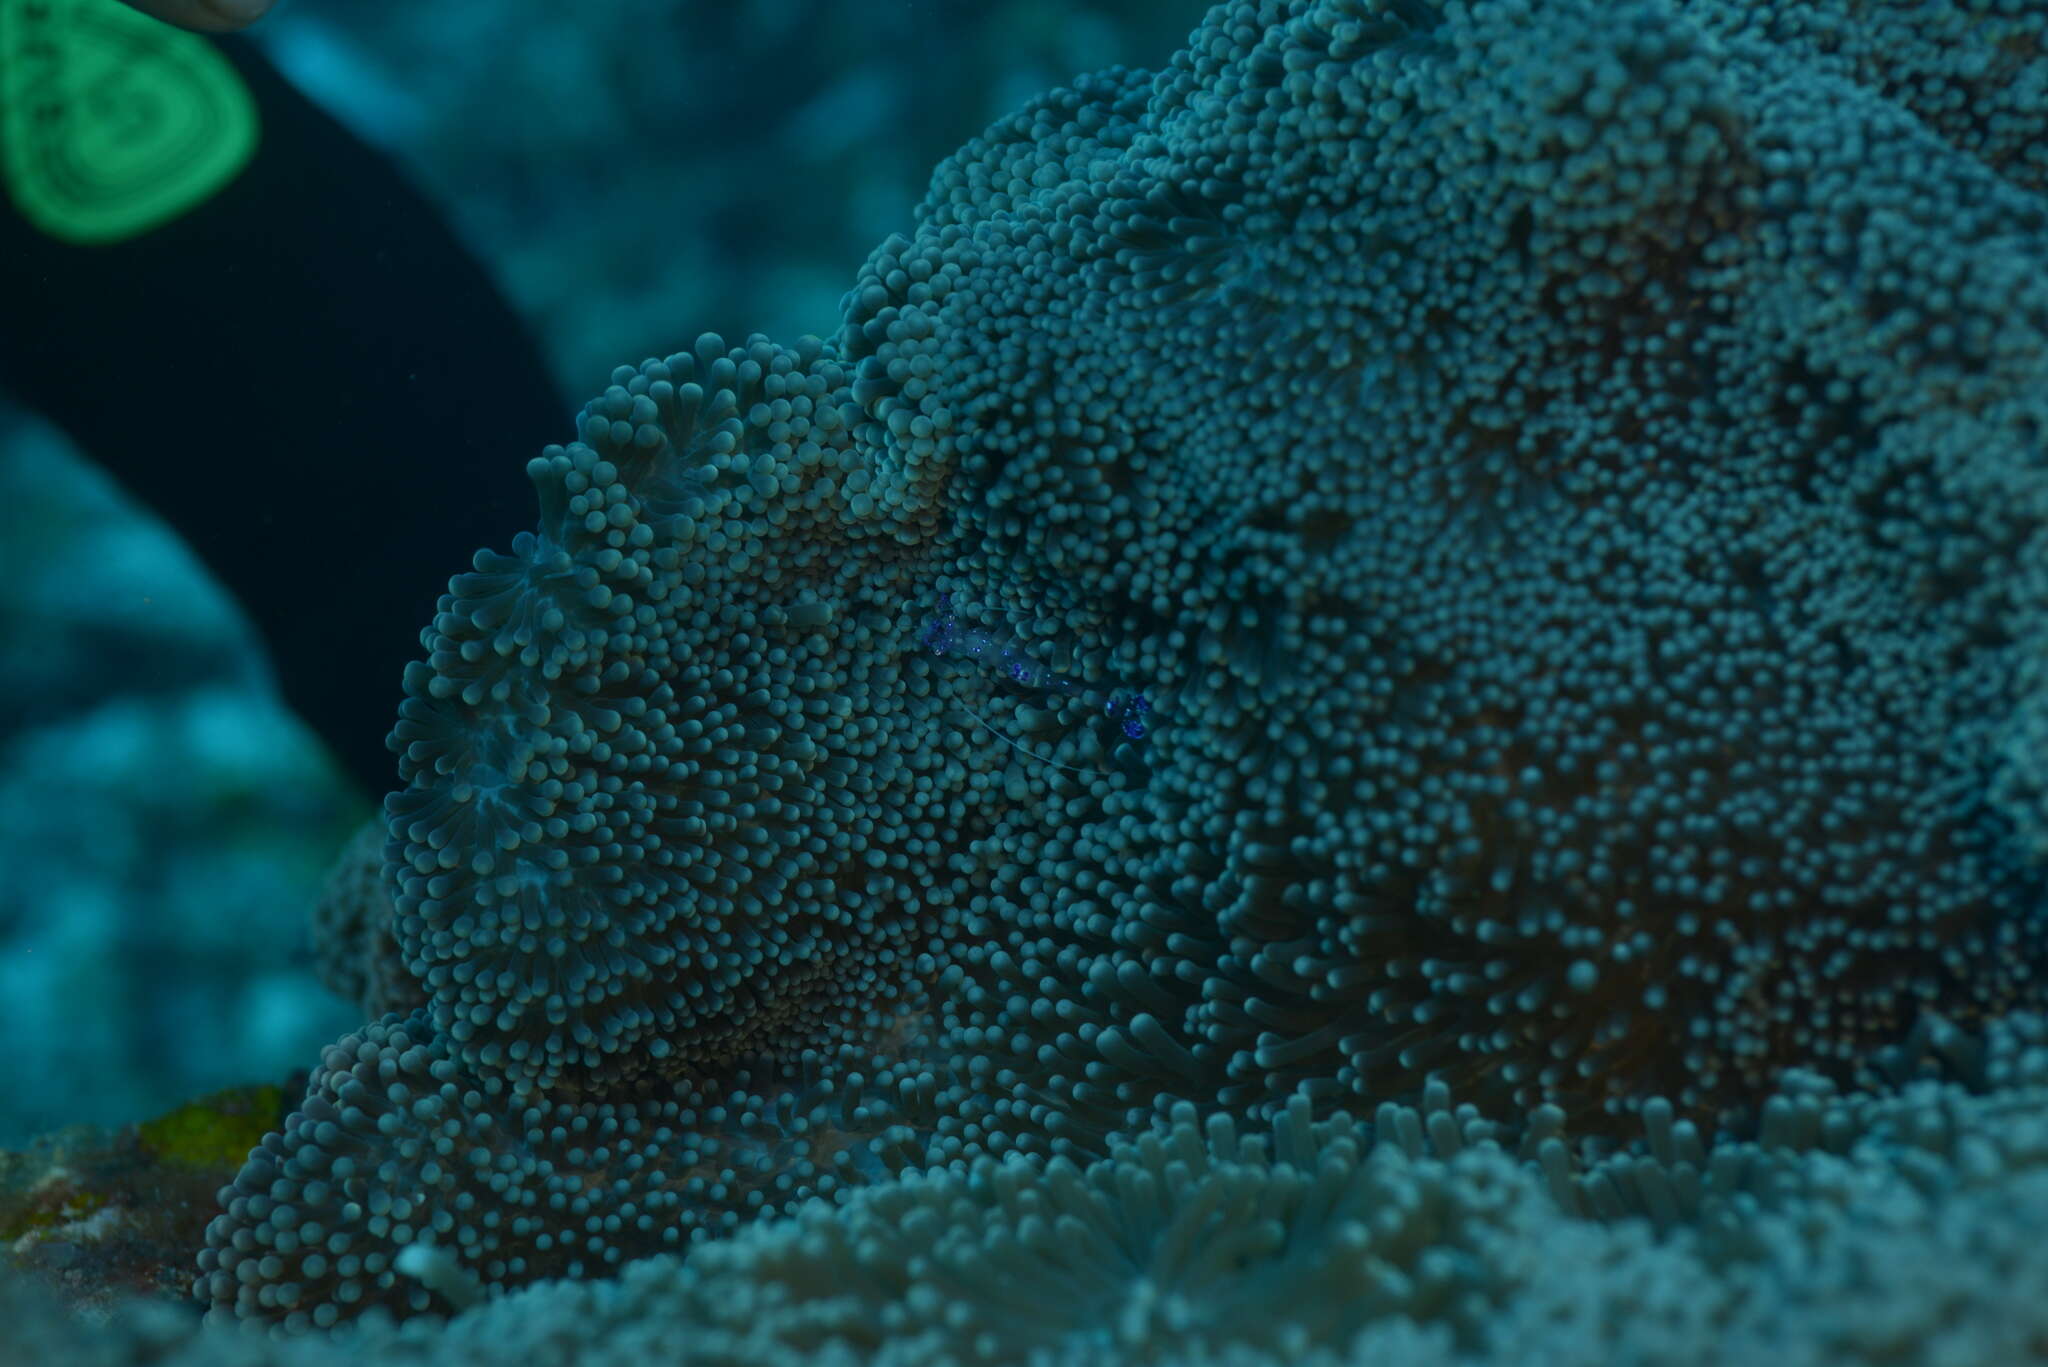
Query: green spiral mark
point(112, 123)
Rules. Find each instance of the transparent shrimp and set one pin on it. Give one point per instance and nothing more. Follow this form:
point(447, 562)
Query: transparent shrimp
point(944, 634)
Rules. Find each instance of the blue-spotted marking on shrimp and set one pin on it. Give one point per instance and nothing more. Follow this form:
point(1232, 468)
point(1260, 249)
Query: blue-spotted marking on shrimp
point(946, 636)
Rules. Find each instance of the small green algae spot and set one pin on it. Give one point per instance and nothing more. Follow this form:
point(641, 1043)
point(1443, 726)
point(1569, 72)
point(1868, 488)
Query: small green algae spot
point(215, 1130)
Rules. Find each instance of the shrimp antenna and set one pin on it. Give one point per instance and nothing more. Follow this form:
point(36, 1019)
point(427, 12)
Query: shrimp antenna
point(1129, 712)
point(1020, 749)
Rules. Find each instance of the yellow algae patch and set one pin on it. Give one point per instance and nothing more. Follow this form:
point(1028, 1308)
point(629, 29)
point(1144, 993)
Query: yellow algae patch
point(214, 1130)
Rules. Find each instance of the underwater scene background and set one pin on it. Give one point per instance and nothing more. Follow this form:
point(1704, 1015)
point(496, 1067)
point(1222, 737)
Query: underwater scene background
point(1296, 681)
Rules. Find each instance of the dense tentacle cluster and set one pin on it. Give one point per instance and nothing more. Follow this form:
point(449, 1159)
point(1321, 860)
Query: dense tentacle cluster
point(1567, 478)
point(357, 955)
point(643, 746)
point(398, 1146)
point(1853, 1229)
